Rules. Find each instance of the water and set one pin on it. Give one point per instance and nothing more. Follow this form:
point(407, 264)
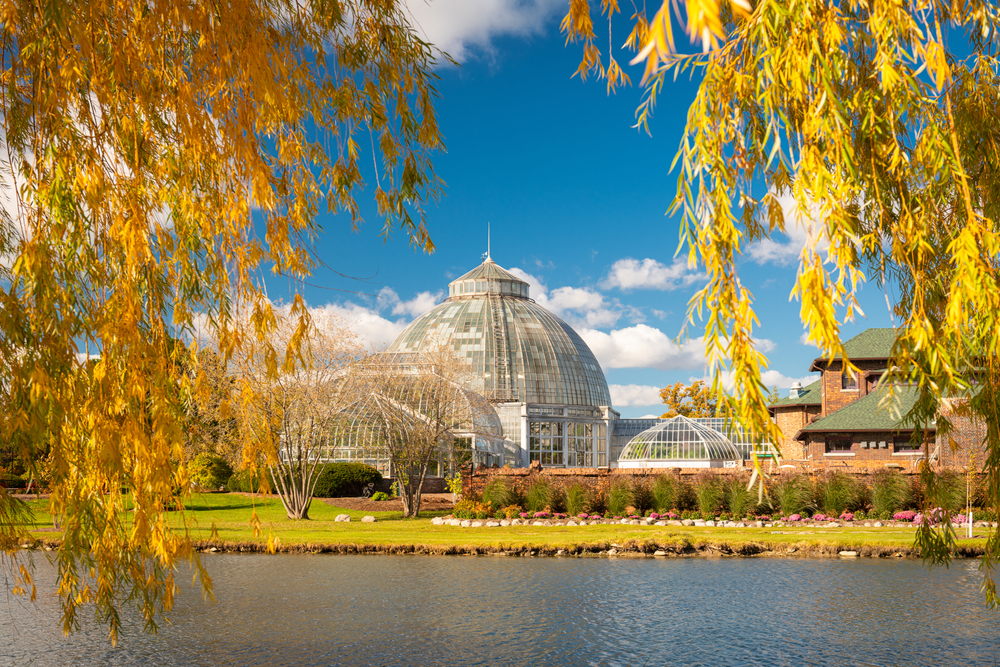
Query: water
point(423, 610)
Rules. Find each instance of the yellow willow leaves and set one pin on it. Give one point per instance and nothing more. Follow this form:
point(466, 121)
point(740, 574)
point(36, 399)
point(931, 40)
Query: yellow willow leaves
point(886, 142)
point(164, 156)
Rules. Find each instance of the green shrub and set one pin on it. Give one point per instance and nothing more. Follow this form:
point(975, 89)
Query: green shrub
point(664, 493)
point(738, 499)
point(835, 493)
point(890, 492)
point(642, 495)
point(619, 497)
point(598, 501)
point(509, 512)
point(470, 509)
point(686, 498)
point(345, 479)
point(499, 493)
point(946, 490)
point(791, 495)
point(209, 471)
point(251, 480)
point(381, 495)
point(708, 491)
point(557, 499)
point(538, 497)
point(577, 499)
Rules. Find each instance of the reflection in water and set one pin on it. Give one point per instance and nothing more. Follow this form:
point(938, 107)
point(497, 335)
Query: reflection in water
point(421, 610)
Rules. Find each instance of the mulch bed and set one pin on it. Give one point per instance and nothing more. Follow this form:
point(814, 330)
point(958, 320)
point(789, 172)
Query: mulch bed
point(428, 502)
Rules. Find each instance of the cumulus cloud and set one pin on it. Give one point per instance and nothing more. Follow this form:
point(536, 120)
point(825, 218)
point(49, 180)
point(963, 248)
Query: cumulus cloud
point(460, 27)
point(801, 228)
point(642, 346)
point(770, 378)
point(418, 305)
point(368, 324)
point(579, 306)
point(804, 339)
point(535, 285)
point(626, 395)
point(629, 273)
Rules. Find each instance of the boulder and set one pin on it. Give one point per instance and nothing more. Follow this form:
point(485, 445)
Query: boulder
point(476, 524)
point(701, 522)
point(660, 523)
point(687, 522)
point(437, 521)
point(343, 518)
point(659, 552)
point(505, 522)
point(634, 522)
point(758, 524)
point(571, 523)
point(849, 554)
point(537, 523)
point(454, 522)
point(368, 519)
point(710, 523)
point(612, 552)
point(466, 523)
point(675, 522)
point(492, 524)
point(878, 524)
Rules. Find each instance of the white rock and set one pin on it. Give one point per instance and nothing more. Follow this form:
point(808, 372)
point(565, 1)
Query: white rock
point(849, 554)
point(368, 519)
point(454, 522)
point(437, 521)
point(878, 524)
point(660, 523)
point(675, 522)
point(492, 524)
point(687, 522)
point(538, 523)
point(466, 523)
point(833, 524)
point(701, 522)
point(505, 522)
point(758, 524)
point(868, 524)
point(634, 522)
point(768, 525)
point(582, 523)
point(710, 523)
point(624, 522)
point(613, 552)
point(516, 522)
point(476, 524)
point(571, 523)
point(659, 552)
point(343, 518)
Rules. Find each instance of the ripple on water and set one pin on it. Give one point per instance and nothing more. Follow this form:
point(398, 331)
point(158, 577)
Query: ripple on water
point(405, 610)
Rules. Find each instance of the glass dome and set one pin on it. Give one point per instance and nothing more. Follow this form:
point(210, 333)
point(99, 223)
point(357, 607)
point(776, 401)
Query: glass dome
point(678, 443)
point(519, 352)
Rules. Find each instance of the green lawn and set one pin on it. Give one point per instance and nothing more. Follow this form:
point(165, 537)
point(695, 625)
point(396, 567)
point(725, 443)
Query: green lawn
point(224, 520)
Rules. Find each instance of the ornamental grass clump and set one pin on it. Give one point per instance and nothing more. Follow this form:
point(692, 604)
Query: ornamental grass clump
point(538, 497)
point(890, 492)
point(619, 498)
point(791, 494)
point(708, 491)
point(738, 499)
point(577, 499)
point(664, 493)
point(836, 493)
point(642, 495)
point(499, 493)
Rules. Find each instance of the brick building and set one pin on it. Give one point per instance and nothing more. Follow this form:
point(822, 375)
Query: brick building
point(847, 419)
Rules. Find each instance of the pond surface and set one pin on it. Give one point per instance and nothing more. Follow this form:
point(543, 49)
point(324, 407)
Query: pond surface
point(441, 610)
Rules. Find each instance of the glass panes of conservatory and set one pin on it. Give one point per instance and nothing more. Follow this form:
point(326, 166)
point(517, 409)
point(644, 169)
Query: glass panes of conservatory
point(680, 439)
point(545, 442)
point(579, 445)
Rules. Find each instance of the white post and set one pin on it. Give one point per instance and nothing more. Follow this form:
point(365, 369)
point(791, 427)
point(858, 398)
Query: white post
point(970, 522)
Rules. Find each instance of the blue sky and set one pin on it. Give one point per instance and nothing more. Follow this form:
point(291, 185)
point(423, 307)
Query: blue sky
point(576, 199)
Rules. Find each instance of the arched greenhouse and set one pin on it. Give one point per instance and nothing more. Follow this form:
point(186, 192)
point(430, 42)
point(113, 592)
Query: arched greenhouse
point(679, 443)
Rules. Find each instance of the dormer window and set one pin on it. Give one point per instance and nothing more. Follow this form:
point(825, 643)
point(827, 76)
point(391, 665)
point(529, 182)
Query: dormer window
point(848, 380)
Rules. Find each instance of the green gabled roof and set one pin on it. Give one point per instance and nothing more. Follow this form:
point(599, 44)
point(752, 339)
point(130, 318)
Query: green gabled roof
point(873, 343)
point(865, 414)
point(808, 395)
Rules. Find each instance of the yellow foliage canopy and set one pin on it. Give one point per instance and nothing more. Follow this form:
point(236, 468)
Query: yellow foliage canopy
point(887, 139)
point(165, 154)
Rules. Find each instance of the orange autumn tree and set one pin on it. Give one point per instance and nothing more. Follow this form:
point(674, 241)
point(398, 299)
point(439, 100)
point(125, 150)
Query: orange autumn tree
point(694, 400)
point(878, 119)
point(160, 158)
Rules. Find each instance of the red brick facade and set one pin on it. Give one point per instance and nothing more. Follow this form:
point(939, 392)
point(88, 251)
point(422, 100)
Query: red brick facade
point(790, 420)
point(877, 449)
point(835, 396)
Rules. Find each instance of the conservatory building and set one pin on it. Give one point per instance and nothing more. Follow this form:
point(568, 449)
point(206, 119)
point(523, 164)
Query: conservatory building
point(545, 384)
point(546, 388)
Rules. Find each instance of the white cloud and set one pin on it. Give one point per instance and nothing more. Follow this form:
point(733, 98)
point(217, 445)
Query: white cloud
point(648, 273)
point(370, 327)
point(581, 307)
point(625, 395)
point(764, 345)
point(458, 26)
point(536, 287)
point(418, 305)
point(642, 346)
point(804, 339)
point(800, 230)
point(770, 378)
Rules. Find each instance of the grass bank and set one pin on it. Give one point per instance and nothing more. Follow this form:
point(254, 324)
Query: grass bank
point(223, 522)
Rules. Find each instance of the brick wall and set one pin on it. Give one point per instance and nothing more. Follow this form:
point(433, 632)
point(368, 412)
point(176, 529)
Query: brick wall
point(866, 451)
point(835, 397)
point(790, 419)
point(964, 445)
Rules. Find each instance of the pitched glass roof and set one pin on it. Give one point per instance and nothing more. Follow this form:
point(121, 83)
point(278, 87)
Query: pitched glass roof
point(680, 439)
